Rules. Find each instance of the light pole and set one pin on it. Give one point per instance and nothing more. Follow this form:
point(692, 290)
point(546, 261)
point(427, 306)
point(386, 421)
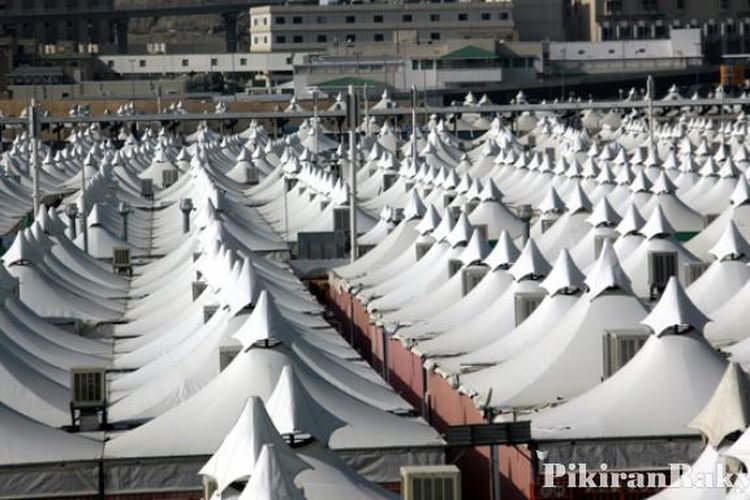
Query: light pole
point(71, 210)
point(186, 206)
point(124, 212)
point(132, 78)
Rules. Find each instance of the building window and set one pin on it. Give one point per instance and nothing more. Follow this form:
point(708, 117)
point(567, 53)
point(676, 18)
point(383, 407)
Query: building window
point(350, 20)
point(185, 63)
point(377, 19)
point(141, 63)
point(406, 18)
point(265, 21)
point(434, 36)
point(214, 61)
point(379, 37)
point(243, 61)
point(485, 16)
point(435, 17)
point(322, 38)
point(351, 38)
point(504, 16)
point(280, 20)
point(680, 4)
point(649, 4)
point(280, 39)
point(463, 16)
point(320, 19)
point(724, 4)
point(297, 20)
point(255, 21)
point(297, 39)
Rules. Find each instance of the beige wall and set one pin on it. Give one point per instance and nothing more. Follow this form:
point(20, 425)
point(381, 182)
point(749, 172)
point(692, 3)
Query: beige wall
point(308, 27)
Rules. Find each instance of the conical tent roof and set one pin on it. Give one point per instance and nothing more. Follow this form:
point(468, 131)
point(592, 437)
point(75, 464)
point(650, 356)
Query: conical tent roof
point(265, 323)
point(731, 244)
point(293, 410)
point(674, 309)
point(240, 450)
point(476, 250)
point(565, 275)
point(606, 273)
point(603, 214)
point(531, 262)
point(632, 222)
point(271, 479)
point(728, 410)
point(657, 225)
point(504, 253)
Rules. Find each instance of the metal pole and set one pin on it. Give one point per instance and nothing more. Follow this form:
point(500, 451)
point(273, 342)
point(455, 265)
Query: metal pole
point(353, 171)
point(286, 210)
point(315, 124)
point(414, 126)
point(34, 136)
point(367, 111)
point(650, 92)
point(84, 222)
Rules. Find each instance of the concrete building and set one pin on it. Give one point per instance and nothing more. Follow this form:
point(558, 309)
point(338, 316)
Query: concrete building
point(301, 28)
point(680, 51)
point(453, 65)
point(43, 28)
point(262, 71)
point(725, 24)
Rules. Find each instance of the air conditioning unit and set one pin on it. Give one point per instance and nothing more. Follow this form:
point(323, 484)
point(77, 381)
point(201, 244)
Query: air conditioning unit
point(471, 276)
point(619, 347)
point(208, 312)
point(430, 482)
point(525, 305)
point(547, 223)
point(341, 219)
point(169, 177)
point(88, 398)
point(147, 189)
point(389, 180)
point(692, 271)
point(227, 354)
point(198, 288)
point(422, 248)
point(661, 267)
point(454, 266)
point(121, 261)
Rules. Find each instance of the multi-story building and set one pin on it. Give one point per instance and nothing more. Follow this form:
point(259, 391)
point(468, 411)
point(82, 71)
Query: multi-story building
point(41, 28)
point(725, 24)
point(301, 28)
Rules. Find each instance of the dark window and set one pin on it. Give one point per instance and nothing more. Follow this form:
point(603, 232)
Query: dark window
point(320, 19)
point(322, 38)
point(485, 16)
point(280, 39)
point(680, 4)
point(351, 38)
point(297, 39)
point(280, 20)
point(350, 20)
point(463, 16)
point(185, 63)
point(406, 18)
point(141, 63)
point(243, 61)
point(435, 17)
point(649, 4)
point(377, 19)
point(296, 20)
point(434, 36)
point(214, 61)
point(723, 4)
point(503, 16)
point(378, 37)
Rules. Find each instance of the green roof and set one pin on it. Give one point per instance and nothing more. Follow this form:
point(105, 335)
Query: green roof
point(470, 52)
point(350, 80)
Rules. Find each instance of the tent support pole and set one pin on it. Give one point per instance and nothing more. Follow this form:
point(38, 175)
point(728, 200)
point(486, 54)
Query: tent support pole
point(353, 112)
point(34, 135)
